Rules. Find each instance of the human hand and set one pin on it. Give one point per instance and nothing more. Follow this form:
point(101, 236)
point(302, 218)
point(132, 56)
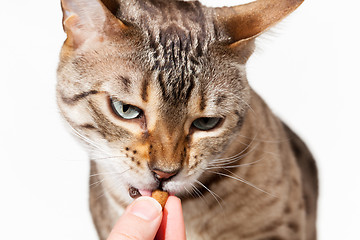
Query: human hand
point(145, 220)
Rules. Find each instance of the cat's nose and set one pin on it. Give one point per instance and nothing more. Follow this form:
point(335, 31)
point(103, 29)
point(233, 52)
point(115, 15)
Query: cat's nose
point(162, 175)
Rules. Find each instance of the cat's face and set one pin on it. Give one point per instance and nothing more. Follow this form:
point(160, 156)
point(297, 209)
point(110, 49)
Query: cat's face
point(155, 104)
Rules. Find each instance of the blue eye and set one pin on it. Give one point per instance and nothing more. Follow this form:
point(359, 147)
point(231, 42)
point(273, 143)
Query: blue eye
point(125, 111)
point(205, 123)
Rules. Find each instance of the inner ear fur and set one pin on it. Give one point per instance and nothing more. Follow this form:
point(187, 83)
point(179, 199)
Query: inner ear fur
point(247, 21)
point(86, 19)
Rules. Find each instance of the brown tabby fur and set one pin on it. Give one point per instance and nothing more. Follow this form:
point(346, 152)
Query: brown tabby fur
point(249, 178)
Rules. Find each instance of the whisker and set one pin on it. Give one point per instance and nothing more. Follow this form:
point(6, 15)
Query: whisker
point(216, 197)
point(94, 184)
point(240, 179)
point(111, 159)
point(199, 193)
point(231, 160)
point(110, 188)
point(286, 139)
point(106, 158)
point(87, 140)
point(238, 154)
point(113, 182)
point(247, 104)
point(108, 173)
point(190, 193)
point(224, 166)
point(196, 191)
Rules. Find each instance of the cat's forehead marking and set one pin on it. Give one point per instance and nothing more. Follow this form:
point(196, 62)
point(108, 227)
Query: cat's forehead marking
point(145, 89)
point(124, 82)
point(176, 36)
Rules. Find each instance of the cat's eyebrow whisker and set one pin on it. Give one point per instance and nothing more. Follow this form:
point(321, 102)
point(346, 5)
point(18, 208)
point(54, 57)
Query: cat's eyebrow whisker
point(240, 179)
point(216, 197)
point(247, 104)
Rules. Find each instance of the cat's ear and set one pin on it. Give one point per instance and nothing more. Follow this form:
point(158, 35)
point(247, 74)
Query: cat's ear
point(247, 21)
point(87, 19)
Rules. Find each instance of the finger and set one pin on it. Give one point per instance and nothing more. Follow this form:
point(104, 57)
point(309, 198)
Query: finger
point(141, 220)
point(172, 226)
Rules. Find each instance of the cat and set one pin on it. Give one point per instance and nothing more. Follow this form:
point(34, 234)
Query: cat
point(157, 92)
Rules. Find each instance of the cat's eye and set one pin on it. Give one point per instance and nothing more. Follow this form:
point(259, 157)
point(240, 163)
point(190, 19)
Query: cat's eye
point(125, 111)
point(206, 123)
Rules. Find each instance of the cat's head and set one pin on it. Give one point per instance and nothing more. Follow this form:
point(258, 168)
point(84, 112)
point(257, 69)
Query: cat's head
point(157, 88)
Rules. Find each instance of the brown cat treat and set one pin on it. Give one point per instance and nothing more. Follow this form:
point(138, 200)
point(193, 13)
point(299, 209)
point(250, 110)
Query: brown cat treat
point(160, 196)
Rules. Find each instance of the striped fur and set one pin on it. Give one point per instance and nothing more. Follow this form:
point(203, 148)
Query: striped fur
point(249, 178)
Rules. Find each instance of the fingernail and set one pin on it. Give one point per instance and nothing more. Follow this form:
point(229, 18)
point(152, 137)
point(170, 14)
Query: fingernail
point(146, 208)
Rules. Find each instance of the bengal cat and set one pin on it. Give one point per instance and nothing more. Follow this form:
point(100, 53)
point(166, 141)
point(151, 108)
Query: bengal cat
point(157, 91)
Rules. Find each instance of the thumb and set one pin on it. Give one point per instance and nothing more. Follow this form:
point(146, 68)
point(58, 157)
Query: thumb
point(141, 221)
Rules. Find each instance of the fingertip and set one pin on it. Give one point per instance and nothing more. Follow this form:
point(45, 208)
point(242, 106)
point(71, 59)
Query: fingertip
point(173, 221)
point(173, 205)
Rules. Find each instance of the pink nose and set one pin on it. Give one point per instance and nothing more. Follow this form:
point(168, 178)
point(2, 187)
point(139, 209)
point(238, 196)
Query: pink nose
point(163, 175)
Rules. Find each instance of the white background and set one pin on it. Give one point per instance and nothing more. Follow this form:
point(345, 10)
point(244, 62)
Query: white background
point(307, 69)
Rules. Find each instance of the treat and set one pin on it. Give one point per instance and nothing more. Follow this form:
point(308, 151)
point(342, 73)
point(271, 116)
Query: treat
point(160, 196)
